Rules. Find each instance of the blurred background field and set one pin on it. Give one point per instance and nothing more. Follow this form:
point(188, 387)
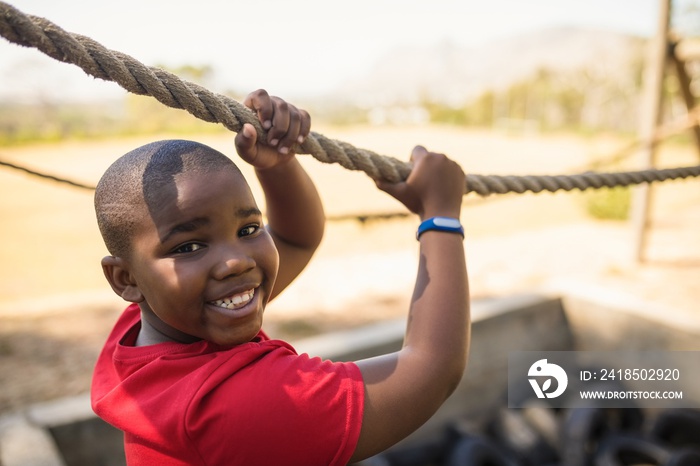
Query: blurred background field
point(556, 98)
point(56, 307)
point(50, 244)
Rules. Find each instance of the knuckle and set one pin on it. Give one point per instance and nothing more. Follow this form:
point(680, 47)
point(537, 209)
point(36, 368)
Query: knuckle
point(281, 104)
point(260, 93)
point(294, 118)
point(305, 118)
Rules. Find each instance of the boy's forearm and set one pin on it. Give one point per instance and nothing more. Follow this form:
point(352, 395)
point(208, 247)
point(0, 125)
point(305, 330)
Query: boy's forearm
point(293, 206)
point(439, 319)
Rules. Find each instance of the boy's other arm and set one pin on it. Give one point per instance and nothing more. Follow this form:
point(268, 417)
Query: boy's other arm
point(294, 210)
point(404, 389)
point(296, 219)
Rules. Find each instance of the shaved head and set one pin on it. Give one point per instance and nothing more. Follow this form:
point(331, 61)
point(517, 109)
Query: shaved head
point(139, 182)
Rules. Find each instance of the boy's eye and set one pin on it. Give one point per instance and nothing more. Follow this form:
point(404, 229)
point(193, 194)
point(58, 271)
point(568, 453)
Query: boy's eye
point(248, 230)
point(187, 248)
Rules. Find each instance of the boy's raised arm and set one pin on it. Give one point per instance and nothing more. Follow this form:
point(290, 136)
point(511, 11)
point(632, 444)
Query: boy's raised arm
point(403, 389)
point(294, 211)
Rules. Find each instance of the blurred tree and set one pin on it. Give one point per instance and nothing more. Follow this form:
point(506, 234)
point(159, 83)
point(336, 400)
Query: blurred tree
point(686, 17)
point(200, 74)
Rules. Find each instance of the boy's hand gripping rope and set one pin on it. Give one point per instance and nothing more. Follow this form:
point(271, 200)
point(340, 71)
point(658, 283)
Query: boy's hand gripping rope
point(109, 65)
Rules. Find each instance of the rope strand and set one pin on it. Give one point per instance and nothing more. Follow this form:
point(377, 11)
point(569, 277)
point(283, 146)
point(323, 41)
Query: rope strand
point(170, 90)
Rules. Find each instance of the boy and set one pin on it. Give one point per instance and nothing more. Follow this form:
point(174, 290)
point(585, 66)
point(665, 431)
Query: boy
point(188, 374)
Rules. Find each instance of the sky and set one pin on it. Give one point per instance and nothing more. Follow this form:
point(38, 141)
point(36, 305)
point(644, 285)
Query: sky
point(292, 48)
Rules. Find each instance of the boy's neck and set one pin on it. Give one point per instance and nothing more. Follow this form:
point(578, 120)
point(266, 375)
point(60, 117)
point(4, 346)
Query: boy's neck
point(151, 333)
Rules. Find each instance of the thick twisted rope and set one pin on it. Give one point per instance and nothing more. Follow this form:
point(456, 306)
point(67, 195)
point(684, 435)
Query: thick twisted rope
point(133, 76)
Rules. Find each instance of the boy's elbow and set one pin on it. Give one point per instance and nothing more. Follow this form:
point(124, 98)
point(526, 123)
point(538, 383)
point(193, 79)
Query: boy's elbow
point(312, 242)
point(455, 374)
point(314, 232)
point(454, 361)
point(319, 231)
point(446, 374)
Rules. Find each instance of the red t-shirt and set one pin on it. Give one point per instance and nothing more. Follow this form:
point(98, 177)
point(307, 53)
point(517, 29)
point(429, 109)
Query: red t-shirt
point(259, 403)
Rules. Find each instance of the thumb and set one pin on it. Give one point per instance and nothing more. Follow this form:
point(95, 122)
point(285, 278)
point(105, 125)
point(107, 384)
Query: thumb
point(418, 152)
point(387, 186)
point(245, 141)
point(402, 192)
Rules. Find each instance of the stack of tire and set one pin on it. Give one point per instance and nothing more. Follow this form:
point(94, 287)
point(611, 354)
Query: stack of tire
point(537, 435)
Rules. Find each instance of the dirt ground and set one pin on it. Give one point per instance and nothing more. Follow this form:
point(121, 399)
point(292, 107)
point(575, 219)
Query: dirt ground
point(56, 310)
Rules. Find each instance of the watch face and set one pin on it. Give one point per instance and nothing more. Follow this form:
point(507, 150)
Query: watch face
point(446, 222)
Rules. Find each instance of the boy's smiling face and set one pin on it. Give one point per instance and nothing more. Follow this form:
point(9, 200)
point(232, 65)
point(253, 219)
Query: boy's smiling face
point(203, 261)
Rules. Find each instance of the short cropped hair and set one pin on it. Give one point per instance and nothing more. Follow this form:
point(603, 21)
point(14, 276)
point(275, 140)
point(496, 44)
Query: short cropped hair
point(135, 182)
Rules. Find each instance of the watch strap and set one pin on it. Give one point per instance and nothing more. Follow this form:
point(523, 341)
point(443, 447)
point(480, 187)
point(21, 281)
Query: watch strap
point(446, 224)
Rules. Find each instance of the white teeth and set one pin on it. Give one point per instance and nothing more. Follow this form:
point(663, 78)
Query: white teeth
point(233, 302)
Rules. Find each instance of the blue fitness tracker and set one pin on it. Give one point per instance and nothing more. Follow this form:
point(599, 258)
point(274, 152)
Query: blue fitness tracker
point(450, 225)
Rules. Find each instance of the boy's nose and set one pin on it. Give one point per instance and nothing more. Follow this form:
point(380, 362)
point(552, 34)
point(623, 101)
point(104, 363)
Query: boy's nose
point(232, 263)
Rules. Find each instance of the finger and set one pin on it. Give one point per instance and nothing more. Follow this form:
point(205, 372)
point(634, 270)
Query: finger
point(245, 140)
point(280, 121)
point(304, 126)
point(418, 152)
point(292, 132)
point(261, 102)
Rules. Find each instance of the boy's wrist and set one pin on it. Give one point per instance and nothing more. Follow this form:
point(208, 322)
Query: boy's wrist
point(443, 224)
point(281, 165)
point(440, 212)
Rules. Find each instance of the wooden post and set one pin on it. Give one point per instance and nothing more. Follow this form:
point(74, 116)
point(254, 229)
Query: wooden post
point(650, 118)
point(684, 84)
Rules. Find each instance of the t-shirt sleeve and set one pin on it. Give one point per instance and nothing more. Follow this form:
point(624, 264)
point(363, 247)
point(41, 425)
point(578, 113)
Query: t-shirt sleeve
point(281, 409)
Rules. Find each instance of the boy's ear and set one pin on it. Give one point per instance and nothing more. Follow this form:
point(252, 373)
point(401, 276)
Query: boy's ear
point(117, 273)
